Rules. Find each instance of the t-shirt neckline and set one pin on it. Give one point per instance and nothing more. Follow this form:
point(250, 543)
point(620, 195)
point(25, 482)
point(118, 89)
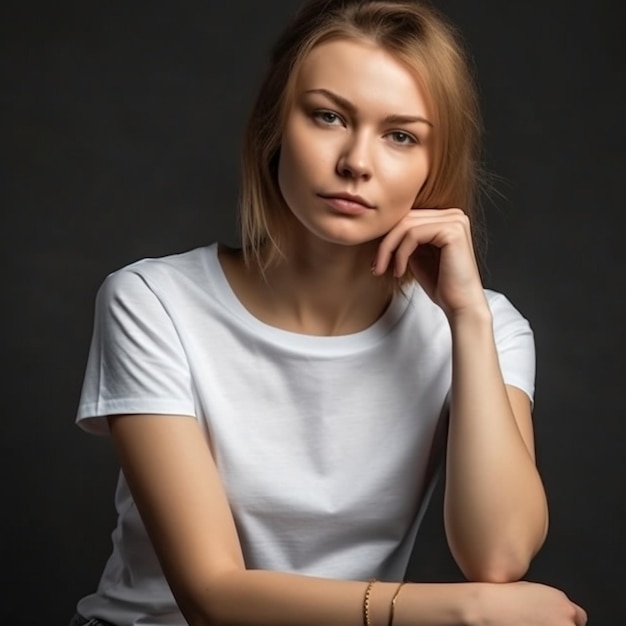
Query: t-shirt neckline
point(353, 341)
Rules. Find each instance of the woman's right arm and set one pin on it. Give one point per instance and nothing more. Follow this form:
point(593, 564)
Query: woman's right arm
point(176, 486)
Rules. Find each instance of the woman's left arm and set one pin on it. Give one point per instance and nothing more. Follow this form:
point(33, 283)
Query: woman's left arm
point(495, 509)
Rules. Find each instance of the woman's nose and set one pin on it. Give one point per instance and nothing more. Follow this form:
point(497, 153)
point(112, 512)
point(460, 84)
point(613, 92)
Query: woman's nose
point(355, 160)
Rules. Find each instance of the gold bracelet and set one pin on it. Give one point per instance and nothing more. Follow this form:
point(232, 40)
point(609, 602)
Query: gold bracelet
point(366, 603)
point(393, 603)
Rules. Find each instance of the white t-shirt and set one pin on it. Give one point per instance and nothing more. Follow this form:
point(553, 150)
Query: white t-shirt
point(321, 442)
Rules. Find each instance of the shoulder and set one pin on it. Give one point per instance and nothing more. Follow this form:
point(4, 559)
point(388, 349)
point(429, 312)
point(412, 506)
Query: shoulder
point(430, 320)
point(515, 343)
point(507, 318)
point(159, 275)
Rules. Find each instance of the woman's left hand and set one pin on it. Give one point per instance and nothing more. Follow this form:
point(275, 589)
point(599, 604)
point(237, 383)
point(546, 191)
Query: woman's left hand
point(436, 244)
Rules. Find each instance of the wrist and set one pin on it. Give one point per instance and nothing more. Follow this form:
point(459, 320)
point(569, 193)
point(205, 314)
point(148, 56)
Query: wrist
point(473, 605)
point(440, 604)
point(471, 319)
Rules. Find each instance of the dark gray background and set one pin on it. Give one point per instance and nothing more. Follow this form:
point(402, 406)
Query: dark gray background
point(121, 130)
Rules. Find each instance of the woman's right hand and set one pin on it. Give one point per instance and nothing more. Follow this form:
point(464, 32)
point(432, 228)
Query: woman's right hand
point(524, 604)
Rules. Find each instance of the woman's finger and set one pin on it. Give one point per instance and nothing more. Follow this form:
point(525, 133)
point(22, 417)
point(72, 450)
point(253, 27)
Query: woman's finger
point(402, 240)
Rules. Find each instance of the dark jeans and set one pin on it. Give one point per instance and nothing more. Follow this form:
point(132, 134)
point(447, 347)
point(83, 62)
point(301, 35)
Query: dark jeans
point(79, 620)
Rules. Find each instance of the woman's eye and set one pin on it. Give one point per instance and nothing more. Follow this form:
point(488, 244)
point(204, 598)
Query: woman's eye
point(327, 117)
point(402, 138)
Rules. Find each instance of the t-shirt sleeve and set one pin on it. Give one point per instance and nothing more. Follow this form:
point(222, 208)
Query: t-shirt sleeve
point(136, 361)
point(515, 344)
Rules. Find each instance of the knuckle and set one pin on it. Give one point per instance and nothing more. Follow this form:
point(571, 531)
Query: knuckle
point(413, 235)
point(457, 231)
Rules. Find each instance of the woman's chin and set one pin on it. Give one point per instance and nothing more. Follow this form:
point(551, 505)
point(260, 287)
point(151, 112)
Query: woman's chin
point(344, 234)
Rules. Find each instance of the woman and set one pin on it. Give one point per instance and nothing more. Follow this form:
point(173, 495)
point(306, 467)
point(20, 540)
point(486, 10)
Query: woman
point(275, 407)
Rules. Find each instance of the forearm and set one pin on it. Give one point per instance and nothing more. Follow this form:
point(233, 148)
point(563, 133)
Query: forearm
point(261, 598)
point(495, 507)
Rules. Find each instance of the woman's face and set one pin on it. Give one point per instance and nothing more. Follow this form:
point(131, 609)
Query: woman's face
point(358, 126)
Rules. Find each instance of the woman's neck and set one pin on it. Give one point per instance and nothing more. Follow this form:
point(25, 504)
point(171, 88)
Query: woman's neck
point(318, 288)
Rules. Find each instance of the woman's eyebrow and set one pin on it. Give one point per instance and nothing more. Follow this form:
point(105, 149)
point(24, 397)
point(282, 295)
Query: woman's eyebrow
point(350, 108)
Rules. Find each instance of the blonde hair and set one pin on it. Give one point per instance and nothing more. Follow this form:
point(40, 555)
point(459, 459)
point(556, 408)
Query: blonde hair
point(416, 34)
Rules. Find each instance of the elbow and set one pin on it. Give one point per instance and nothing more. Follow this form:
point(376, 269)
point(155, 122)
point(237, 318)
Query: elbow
point(504, 560)
point(209, 601)
point(201, 616)
point(196, 614)
point(502, 564)
point(496, 570)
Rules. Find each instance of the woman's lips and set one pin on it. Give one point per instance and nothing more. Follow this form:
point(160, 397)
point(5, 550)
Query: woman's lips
point(345, 205)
